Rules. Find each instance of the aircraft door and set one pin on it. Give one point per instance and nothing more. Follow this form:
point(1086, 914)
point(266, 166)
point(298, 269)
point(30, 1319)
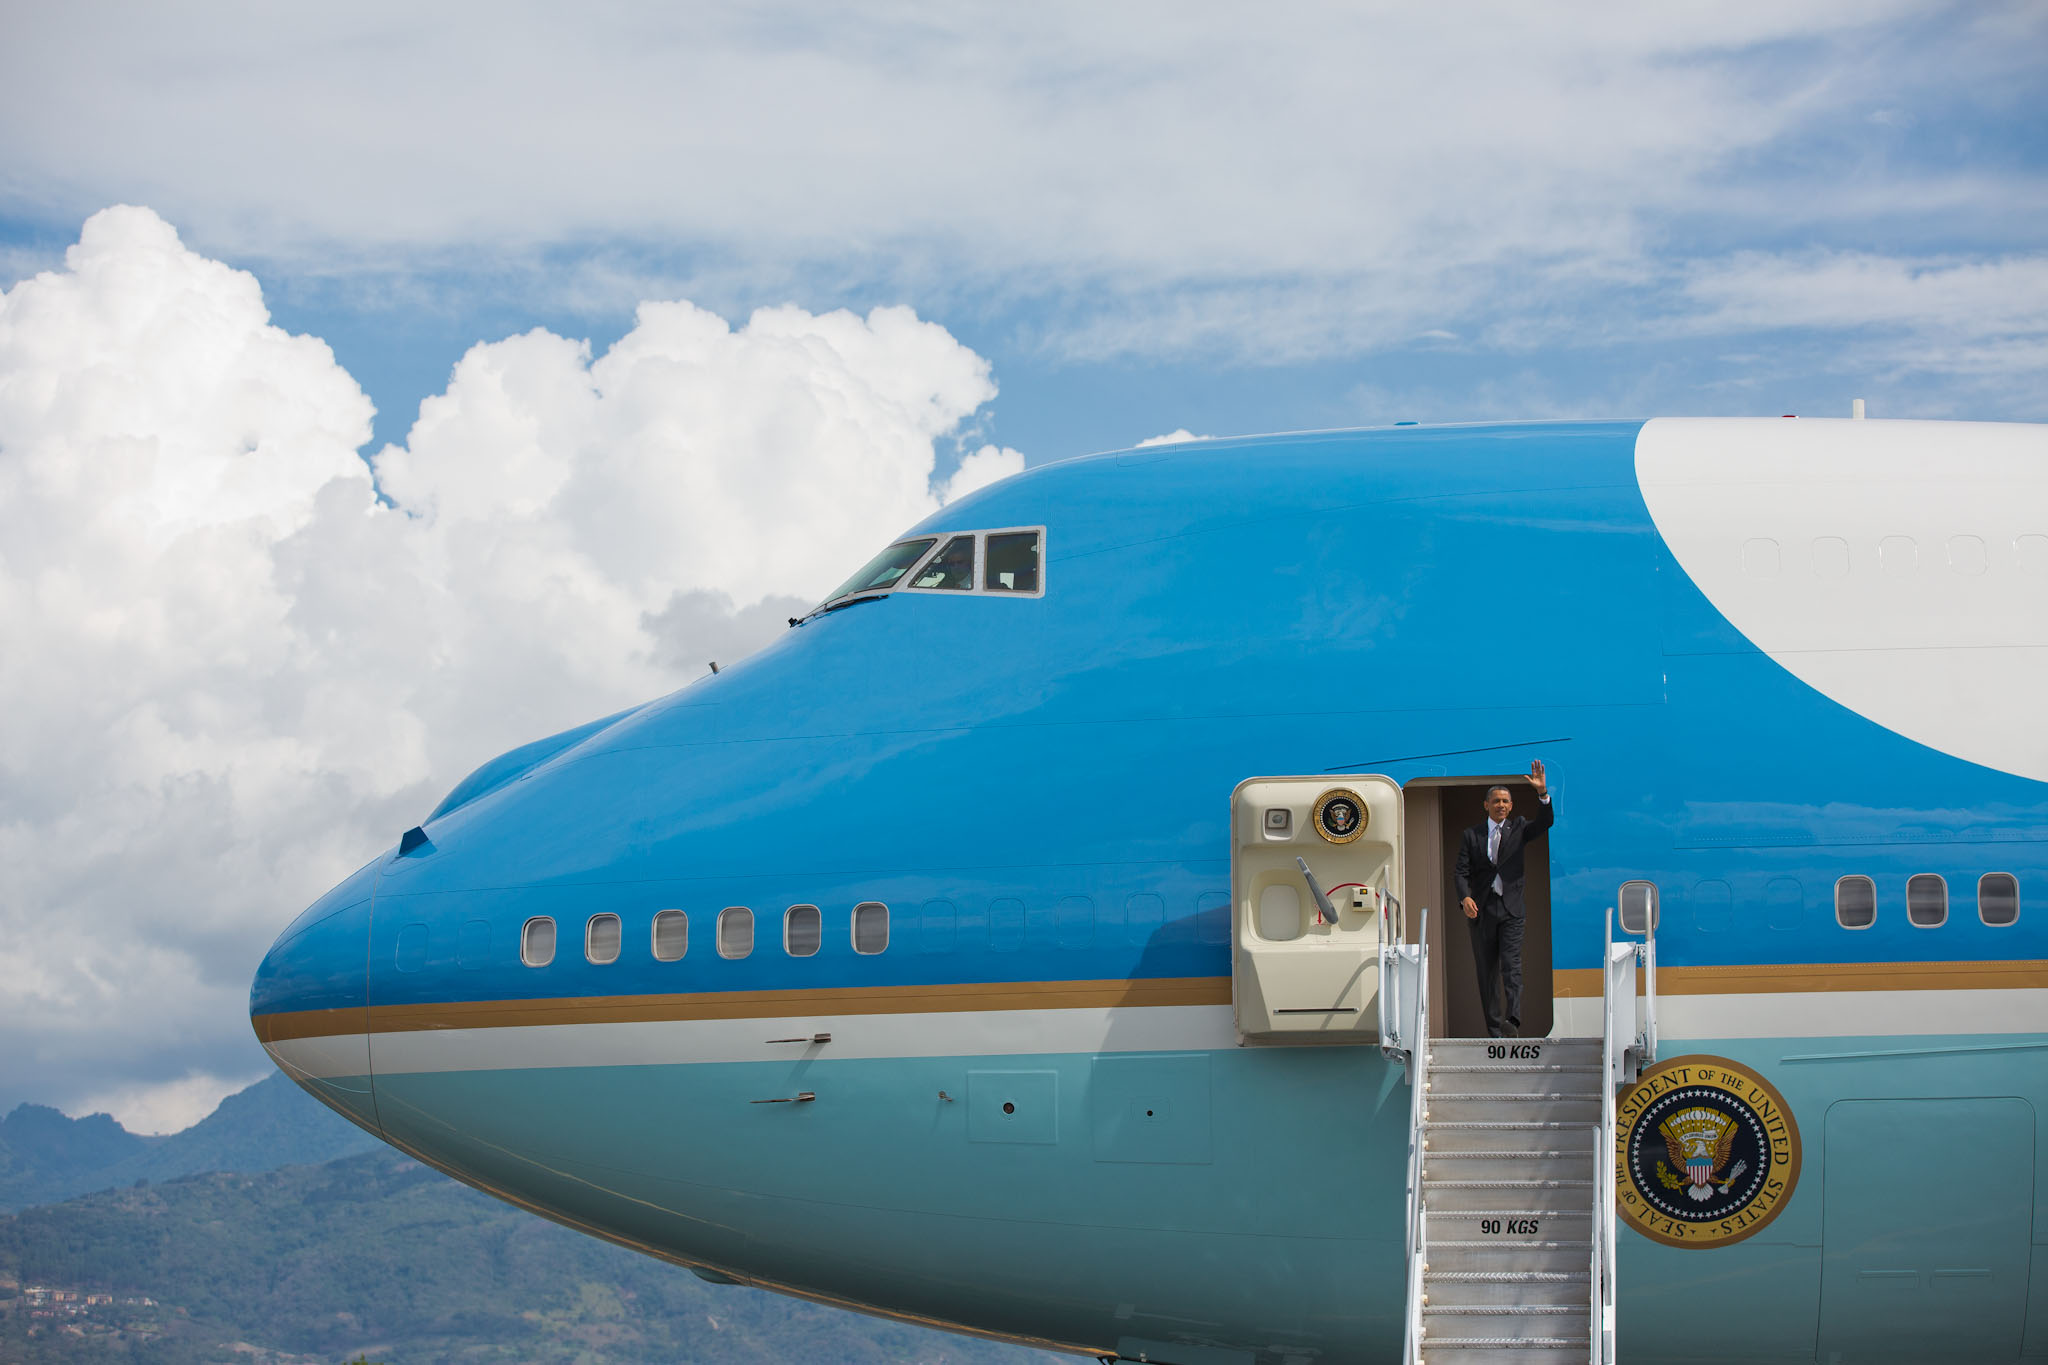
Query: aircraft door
point(1315, 875)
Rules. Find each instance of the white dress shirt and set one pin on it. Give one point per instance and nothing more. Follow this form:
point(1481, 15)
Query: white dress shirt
point(1493, 829)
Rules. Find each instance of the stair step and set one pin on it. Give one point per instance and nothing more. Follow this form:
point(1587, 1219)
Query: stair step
point(1537, 1200)
point(1564, 1183)
point(1530, 1125)
point(1539, 1165)
point(1438, 1292)
point(1508, 1242)
point(1478, 1106)
point(1548, 1334)
point(1499, 1136)
point(1512, 1097)
point(1514, 1069)
point(1508, 1276)
point(1493, 1322)
point(1508, 1253)
point(1438, 1353)
point(1514, 1050)
point(1583, 1082)
point(1520, 1155)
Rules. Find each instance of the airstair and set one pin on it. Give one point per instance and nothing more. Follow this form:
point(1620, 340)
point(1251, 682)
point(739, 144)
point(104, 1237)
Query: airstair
point(1511, 1190)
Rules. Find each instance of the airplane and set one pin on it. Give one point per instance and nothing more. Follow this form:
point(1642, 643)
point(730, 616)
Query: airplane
point(981, 953)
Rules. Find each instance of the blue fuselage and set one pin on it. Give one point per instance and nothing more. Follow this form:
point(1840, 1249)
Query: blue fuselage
point(1037, 788)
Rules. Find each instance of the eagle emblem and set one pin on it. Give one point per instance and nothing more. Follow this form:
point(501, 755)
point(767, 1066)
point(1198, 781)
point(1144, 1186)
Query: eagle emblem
point(1699, 1141)
point(1706, 1152)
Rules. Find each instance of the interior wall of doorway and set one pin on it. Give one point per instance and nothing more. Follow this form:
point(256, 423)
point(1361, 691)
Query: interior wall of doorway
point(1439, 810)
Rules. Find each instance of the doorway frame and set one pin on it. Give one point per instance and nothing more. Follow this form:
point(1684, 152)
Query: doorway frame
point(1428, 880)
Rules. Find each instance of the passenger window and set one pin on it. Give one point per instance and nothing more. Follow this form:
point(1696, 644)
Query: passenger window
point(1638, 902)
point(1784, 902)
point(2030, 553)
point(411, 955)
point(735, 931)
point(1998, 898)
point(803, 928)
point(601, 939)
point(537, 942)
point(1855, 902)
point(951, 569)
point(870, 928)
point(1143, 914)
point(473, 947)
point(1926, 900)
point(886, 568)
point(1074, 921)
point(1713, 907)
point(1013, 561)
point(671, 936)
point(936, 924)
point(1006, 924)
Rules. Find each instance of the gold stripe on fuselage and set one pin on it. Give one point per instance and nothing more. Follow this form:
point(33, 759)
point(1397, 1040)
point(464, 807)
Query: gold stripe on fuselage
point(962, 997)
point(981, 997)
point(1813, 977)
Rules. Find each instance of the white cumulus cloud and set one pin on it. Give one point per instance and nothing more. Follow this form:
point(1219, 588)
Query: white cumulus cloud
point(1171, 438)
point(233, 670)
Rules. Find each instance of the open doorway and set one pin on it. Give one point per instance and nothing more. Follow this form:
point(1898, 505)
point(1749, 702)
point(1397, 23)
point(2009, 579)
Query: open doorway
point(1439, 810)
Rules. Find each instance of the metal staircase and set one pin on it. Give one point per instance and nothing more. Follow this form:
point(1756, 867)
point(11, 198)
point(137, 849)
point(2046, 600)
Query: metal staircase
point(1511, 1171)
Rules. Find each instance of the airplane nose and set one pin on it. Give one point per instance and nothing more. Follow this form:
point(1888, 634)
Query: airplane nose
point(309, 1003)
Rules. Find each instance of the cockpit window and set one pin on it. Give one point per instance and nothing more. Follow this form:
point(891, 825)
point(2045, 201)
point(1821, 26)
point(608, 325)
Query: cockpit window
point(951, 569)
point(1009, 561)
point(883, 571)
point(1013, 561)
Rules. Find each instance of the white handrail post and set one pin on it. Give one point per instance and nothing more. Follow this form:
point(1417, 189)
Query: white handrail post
point(1415, 1027)
point(1647, 1053)
point(1618, 988)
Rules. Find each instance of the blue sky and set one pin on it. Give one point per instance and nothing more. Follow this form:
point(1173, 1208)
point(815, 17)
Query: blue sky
point(1110, 222)
point(1163, 216)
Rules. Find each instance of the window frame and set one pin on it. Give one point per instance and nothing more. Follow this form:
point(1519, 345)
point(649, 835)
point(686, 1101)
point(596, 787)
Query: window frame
point(788, 916)
point(654, 935)
point(718, 934)
point(1043, 541)
point(1867, 880)
point(1655, 908)
point(910, 578)
point(981, 587)
point(554, 940)
point(2012, 877)
point(1940, 881)
point(853, 928)
point(590, 930)
point(855, 594)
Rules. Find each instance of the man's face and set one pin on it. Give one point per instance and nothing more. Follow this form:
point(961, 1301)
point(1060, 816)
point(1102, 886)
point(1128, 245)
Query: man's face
point(1498, 804)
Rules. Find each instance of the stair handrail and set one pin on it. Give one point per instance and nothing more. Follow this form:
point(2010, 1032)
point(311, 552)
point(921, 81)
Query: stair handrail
point(1392, 1043)
point(1416, 1037)
point(1618, 1059)
point(1646, 1043)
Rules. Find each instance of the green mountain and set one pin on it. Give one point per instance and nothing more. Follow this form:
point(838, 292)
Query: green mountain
point(45, 1156)
point(376, 1254)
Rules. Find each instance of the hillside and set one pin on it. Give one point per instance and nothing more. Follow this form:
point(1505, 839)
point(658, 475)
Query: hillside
point(45, 1157)
point(377, 1254)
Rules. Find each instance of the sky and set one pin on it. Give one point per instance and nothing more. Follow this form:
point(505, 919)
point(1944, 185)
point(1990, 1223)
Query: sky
point(384, 386)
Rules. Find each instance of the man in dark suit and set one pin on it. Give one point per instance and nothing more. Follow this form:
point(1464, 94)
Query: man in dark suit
point(1489, 875)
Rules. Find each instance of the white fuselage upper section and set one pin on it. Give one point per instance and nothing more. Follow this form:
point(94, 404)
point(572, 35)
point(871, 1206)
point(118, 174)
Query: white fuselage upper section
point(1898, 568)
